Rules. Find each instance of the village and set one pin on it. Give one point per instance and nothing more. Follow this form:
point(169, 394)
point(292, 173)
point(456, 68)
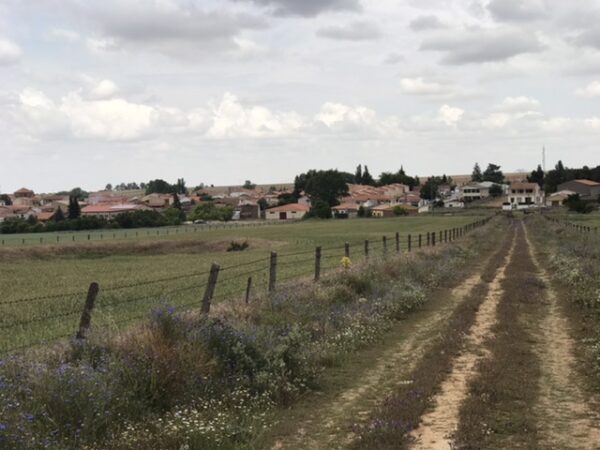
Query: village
point(277, 202)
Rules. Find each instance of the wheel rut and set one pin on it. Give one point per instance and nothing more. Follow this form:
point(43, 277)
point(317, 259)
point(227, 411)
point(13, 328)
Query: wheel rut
point(438, 425)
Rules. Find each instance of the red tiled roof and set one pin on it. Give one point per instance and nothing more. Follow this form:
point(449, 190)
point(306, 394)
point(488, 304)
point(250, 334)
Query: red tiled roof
point(24, 191)
point(100, 209)
point(290, 207)
point(521, 185)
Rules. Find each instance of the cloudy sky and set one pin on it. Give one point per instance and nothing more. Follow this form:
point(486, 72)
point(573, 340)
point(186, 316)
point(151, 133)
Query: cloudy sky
point(219, 91)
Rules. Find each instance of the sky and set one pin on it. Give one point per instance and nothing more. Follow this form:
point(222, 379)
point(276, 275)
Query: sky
point(221, 91)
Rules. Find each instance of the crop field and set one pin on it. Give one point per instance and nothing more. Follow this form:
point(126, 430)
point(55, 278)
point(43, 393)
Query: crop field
point(43, 287)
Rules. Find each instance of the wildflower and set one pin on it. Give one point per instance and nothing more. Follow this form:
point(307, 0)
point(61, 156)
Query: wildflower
point(346, 262)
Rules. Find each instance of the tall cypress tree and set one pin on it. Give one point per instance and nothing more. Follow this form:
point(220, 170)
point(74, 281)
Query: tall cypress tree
point(367, 178)
point(358, 176)
point(74, 209)
point(477, 175)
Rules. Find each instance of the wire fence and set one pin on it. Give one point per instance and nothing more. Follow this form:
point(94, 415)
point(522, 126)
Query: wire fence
point(33, 321)
point(573, 226)
point(69, 237)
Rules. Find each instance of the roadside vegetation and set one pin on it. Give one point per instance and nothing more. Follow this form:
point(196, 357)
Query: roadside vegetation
point(181, 380)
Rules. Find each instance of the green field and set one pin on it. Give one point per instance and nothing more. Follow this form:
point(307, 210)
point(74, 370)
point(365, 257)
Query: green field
point(43, 287)
point(591, 220)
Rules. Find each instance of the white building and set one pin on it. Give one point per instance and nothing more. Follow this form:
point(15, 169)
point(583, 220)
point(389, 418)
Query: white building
point(524, 196)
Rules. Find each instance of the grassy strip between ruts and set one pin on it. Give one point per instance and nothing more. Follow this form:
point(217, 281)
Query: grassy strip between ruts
point(498, 413)
point(399, 415)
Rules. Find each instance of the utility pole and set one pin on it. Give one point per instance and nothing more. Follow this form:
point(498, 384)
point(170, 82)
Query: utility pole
point(544, 158)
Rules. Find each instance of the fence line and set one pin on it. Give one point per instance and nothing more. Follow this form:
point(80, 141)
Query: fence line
point(273, 271)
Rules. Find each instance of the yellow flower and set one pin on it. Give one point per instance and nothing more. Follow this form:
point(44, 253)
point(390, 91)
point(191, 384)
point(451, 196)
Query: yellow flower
point(346, 262)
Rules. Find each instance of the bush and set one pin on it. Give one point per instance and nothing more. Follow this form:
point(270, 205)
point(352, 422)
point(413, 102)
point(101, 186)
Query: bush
point(237, 246)
point(400, 211)
point(209, 211)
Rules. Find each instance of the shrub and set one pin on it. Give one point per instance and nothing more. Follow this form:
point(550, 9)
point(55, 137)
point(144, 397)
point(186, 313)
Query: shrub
point(237, 246)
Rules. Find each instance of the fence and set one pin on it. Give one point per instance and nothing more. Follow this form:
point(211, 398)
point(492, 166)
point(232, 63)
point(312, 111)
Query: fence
point(124, 233)
point(33, 321)
point(573, 226)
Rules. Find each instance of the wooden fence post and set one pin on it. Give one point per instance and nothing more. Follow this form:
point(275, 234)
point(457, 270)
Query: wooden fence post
point(273, 272)
point(317, 263)
point(86, 315)
point(366, 248)
point(409, 243)
point(248, 289)
point(397, 242)
point(433, 239)
point(420, 240)
point(209, 292)
point(428, 239)
point(347, 250)
point(445, 235)
point(384, 241)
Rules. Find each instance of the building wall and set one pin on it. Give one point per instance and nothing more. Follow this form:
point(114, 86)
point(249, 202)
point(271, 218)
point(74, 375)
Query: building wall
point(581, 189)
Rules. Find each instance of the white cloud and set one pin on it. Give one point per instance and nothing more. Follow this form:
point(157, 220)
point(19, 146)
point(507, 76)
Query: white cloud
point(592, 90)
point(519, 104)
point(104, 90)
point(64, 34)
point(230, 119)
point(10, 53)
point(450, 115)
point(355, 31)
point(419, 86)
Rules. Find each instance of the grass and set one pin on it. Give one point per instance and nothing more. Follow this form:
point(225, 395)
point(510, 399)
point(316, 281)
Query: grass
point(173, 269)
point(184, 381)
point(591, 220)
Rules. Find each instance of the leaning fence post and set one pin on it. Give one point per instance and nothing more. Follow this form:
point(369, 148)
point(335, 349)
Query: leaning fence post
point(347, 250)
point(273, 271)
point(366, 248)
point(317, 263)
point(397, 242)
point(86, 315)
point(248, 289)
point(384, 241)
point(210, 288)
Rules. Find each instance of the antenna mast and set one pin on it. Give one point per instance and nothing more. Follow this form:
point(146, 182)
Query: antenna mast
point(544, 158)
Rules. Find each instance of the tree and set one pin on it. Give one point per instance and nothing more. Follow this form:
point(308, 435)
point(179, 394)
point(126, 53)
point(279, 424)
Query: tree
point(180, 188)
point(249, 185)
point(429, 191)
point(262, 204)
point(209, 211)
point(5, 199)
point(367, 179)
point(493, 174)
point(327, 186)
point(477, 176)
point(400, 211)
point(399, 177)
point(537, 176)
point(159, 186)
point(174, 216)
point(575, 204)
point(176, 202)
point(358, 174)
point(79, 193)
point(74, 209)
point(108, 187)
point(59, 216)
point(320, 209)
point(496, 190)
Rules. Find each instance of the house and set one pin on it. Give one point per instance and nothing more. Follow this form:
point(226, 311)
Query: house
point(24, 193)
point(5, 213)
point(291, 211)
point(45, 216)
point(304, 200)
point(345, 210)
point(558, 198)
point(382, 211)
point(474, 191)
point(587, 189)
point(524, 196)
point(109, 210)
point(453, 203)
point(425, 208)
point(157, 201)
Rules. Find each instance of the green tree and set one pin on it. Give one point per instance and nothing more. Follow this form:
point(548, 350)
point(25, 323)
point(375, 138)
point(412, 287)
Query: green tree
point(79, 193)
point(176, 202)
point(108, 187)
point(4, 198)
point(327, 186)
point(400, 211)
point(59, 216)
point(477, 176)
point(249, 185)
point(358, 174)
point(496, 190)
point(367, 179)
point(429, 191)
point(74, 208)
point(174, 216)
point(320, 209)
point(159, 186)
point(493, 174)
point(537, 176)
point(575, 204)
point(209, 211)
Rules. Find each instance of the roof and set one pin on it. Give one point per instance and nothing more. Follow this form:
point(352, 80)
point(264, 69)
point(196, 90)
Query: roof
point(44, 216)
point(345, 206)
point(521, 185)
point(290, 207)
point(24, 191)
point(563, 193)
point(99, 209)
point(588, 182)
point(383, 208)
